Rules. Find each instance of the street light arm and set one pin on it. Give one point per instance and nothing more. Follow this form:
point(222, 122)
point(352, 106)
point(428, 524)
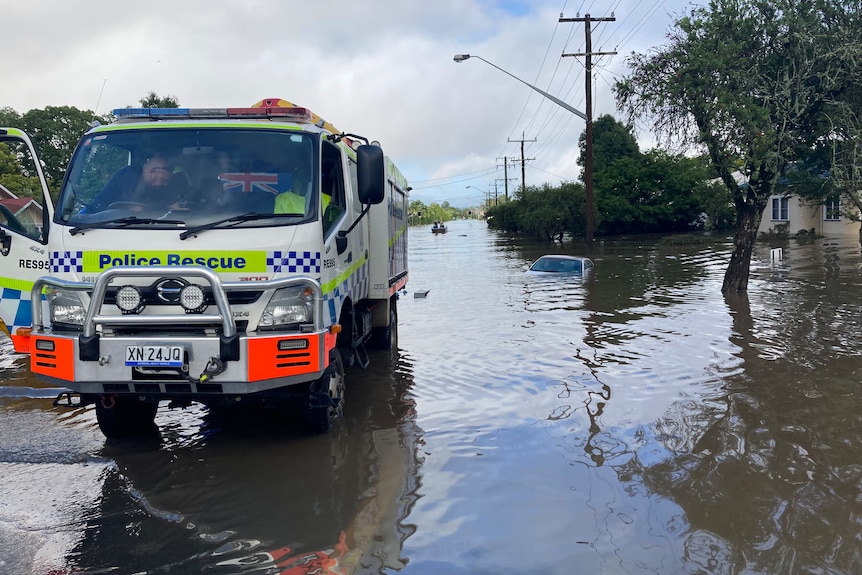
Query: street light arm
point(461, 57)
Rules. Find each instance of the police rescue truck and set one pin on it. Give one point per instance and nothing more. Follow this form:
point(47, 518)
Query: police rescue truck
point(218, 256)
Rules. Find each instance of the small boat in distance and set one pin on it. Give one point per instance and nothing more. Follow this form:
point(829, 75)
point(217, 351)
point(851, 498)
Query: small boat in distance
point(438, 228)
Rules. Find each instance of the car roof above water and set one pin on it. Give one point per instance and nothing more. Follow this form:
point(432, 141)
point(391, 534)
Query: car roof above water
point(561, 264)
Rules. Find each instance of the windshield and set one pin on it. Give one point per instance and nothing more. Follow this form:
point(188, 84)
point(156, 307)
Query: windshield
point(187, 177)
point(560, 265)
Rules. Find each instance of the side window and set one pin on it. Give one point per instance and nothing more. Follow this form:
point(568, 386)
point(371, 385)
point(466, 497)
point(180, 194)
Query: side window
point(331, 186)
point(780, 209)
point(20, 191)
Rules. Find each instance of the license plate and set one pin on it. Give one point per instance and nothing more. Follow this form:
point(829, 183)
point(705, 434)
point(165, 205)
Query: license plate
point(154, 356)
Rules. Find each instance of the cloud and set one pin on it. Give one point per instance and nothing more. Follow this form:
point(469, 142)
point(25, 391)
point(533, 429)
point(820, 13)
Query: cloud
point(383, 69)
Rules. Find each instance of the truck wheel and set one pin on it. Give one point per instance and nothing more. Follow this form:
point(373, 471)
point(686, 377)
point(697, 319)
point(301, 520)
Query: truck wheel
point(125, 416)
point(319, 419)
point(387, 337)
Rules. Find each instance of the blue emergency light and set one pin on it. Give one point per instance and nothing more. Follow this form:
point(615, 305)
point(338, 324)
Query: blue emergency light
point(291, 113)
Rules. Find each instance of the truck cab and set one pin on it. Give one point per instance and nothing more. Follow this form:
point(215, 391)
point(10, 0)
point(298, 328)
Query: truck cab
point(219, 256)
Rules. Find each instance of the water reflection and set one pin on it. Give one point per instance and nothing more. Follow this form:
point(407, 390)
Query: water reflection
point(19, 388)
point(769, 477)
point(632, 421)
point(639, 379)
point(635, 335)
point(252, 493)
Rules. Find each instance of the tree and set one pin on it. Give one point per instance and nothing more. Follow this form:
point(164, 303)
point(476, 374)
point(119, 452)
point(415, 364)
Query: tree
point(419, 213)
point(14, 174)
point(716, 204)
point(754, 83)
point(547, 213)
point(55, 131)
point(612, 140)
point(9, 117)
point(845, 159)
point(153, 100)
point(642, 192)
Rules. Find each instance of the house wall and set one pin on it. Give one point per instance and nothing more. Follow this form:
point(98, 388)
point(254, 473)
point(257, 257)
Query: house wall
point(803, 216)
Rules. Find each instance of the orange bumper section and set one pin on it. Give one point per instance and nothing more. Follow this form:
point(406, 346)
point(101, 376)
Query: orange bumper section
point(271, 357)
point(53, 357)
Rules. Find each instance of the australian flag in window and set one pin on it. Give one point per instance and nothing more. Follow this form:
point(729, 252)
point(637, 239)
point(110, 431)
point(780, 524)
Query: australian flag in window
point(256, 182)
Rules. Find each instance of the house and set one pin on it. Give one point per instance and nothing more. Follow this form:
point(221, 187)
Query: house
point(797, 215)
point(26, 213)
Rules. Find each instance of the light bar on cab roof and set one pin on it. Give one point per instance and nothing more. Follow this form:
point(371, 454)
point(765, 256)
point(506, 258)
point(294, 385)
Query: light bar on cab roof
point(293, 113)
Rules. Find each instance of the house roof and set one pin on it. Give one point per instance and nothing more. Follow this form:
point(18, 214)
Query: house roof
point(18, 205)
point(5, 193)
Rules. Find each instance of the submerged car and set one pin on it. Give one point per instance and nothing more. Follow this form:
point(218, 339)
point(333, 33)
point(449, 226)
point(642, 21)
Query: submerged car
point(560, 264)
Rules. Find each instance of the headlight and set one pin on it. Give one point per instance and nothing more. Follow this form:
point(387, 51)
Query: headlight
point(289, 306)
point(66, 307)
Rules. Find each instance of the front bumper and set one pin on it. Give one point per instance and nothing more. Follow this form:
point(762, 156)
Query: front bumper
point(265, 363)
point(215, 361)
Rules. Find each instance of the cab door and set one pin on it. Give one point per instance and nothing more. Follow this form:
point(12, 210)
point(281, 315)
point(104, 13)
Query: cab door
point(25, 214)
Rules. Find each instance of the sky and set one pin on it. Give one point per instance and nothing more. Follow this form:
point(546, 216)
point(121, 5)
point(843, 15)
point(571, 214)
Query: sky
point(383, 69)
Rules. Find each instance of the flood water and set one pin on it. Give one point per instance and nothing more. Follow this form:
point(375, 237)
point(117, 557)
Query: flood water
point(630, 422)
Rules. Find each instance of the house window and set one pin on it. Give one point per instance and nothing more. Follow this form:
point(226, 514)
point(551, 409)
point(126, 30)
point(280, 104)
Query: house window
point(781, 209)
point(831, 210)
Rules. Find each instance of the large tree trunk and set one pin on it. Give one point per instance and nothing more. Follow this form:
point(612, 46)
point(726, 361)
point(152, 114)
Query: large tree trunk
point(747, 222)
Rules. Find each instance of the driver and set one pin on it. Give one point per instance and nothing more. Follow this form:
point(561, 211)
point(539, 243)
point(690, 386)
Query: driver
point(153, 186)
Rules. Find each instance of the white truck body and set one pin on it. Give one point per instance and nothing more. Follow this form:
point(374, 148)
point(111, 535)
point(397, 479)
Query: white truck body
point(222, 295)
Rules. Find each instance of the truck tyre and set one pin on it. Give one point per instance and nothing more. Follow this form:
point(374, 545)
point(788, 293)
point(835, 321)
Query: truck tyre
point(125, 416)
point(319, 419)
point(387, 337)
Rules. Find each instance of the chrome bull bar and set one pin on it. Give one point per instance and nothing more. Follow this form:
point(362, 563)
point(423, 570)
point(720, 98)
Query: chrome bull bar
point(94, 317)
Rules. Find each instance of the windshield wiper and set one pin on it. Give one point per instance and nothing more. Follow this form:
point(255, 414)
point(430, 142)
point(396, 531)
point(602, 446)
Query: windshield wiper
point(233, 220)
point(120, 223)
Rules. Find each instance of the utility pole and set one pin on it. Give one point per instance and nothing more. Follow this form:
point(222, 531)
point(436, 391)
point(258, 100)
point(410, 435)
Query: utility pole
point(523, 162)
point(506, 177)
point(588, 161)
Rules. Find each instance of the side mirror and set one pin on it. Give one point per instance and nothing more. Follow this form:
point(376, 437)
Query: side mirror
point(370, 173)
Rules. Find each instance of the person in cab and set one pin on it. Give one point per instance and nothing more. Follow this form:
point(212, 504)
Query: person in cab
point(293, 201)
point(153, 186)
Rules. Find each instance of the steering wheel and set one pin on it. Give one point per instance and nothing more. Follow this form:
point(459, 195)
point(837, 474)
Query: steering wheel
point(131, 206)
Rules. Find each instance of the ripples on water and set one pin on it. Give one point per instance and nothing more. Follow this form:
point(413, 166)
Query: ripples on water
point(636, 418)
point(630, 421)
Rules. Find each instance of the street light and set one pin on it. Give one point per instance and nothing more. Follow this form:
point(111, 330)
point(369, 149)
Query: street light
point(588, 168)
point(461, 57)
point(487, 196)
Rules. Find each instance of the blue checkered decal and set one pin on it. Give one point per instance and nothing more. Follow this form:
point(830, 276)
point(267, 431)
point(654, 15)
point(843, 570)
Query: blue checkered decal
point(293, 262)
point(355, 286)
point(15, 305)
point(67, 262)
